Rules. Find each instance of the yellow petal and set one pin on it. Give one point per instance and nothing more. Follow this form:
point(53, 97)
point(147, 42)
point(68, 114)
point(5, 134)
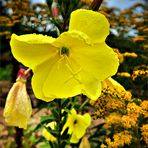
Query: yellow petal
point(60, 82)
point(74, 138)
point(113, 85)
point(72, 40)
point(91, 87)
point(84, 122)
point(72, 116)
point(98, 60)
point(32, 49)
point(40, 75)
point(47, 134)
point(94, 24)
point(18, 106)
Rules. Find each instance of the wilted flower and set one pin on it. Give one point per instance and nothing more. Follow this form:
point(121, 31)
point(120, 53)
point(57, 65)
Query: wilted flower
point(84, 143)
point(74, 63)
point(77, 125)
point(18, 108)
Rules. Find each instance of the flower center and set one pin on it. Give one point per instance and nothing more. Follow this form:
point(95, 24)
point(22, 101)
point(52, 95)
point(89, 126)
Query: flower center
point(64, 51)
point(75, 122)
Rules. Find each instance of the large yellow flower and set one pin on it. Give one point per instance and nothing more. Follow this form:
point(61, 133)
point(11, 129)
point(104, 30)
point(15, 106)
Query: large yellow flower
point(76, 62)
point(77, 125)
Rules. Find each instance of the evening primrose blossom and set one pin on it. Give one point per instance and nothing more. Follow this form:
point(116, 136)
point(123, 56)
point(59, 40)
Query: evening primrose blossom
point(18, 108)
point(76, 62)
point(77, 125)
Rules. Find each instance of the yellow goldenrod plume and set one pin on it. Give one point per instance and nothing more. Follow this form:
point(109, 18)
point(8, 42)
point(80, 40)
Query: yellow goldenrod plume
point(18, 108)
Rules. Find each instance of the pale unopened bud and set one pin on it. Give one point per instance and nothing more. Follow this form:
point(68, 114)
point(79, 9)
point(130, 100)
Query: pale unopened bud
point(84, 143)
point(18, 108)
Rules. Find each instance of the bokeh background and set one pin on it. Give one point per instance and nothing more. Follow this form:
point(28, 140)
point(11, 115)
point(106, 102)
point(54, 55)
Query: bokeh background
point(128, 38)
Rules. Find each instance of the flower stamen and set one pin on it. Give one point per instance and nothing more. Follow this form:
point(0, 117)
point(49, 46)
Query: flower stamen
point(64, 51)
point(75, 122)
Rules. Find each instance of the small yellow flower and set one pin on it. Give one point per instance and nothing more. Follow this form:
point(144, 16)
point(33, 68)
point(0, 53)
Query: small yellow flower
point(77, 125)
point(74, 63)
point(48, 135)
point(103, 146)
point(18, 108)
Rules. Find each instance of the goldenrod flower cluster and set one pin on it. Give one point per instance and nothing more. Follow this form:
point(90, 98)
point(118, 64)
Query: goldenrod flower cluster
point(121, 113)
point(144, 130)
point(119, 140)
point(128, 54)
point(138, 73)
point(144, 108)
point(138, 38)
point(133, 110)
point(120, 55)
point(124, 74)
point(113, 97)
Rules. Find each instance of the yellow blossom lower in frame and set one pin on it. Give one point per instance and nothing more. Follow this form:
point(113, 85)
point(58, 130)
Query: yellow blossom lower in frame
point(76, 62)
point(48, 135)
point(77, 125)
point(18, 108)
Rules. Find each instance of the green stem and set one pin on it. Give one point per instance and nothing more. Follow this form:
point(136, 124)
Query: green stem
point(59, 122)
point(18, 137)
point(83, 104)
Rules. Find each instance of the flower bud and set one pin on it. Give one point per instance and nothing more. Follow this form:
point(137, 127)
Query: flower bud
point(54, 9)
point(48, 135)
point(18, 108)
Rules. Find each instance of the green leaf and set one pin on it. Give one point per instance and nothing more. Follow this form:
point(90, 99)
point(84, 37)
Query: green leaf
point(47, 119)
